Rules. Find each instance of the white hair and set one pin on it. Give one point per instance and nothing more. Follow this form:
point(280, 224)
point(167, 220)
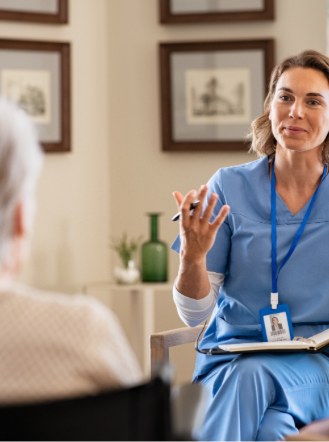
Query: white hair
point(20, 164)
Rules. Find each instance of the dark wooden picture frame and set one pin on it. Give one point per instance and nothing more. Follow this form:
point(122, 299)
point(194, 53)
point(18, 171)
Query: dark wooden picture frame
point(38, 17)
point(168, 17)
point(166, 50)
point(63, 49)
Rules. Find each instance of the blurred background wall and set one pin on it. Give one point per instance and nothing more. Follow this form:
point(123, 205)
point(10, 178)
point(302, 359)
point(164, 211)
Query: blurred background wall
point(73, 222)
point(116, 171)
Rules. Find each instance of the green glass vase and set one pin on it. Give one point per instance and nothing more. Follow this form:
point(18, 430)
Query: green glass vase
point(154, 255)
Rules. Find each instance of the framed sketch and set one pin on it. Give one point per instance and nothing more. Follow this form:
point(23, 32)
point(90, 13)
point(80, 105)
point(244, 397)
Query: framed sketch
point(39, 11)
point(211, 92)
point(36, 76)
point(203, 11)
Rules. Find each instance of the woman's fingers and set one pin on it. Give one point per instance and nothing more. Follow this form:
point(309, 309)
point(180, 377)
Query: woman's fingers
point(210, 207)
point(201, 197)
point(220, 217)
point(185, 208)
point(178, 197)
point(184, 204)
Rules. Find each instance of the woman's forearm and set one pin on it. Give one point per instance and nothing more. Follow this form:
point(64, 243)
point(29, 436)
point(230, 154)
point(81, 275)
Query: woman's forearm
point(193, 280)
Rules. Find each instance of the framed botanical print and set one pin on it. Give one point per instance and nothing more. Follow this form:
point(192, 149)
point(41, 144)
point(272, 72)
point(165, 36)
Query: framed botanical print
point(212, 91)
point(36, 76)
point(203, 11)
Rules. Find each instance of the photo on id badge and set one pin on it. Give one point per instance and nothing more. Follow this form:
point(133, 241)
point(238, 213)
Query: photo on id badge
point(276, 327)
point(276, 324)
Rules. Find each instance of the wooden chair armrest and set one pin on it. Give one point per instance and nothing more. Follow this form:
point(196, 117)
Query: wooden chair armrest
point(161, 342)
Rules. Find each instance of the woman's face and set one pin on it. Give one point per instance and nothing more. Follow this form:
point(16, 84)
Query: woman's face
point(299, 111)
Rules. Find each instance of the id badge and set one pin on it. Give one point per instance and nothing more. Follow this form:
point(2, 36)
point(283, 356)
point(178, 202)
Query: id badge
point(276, 324)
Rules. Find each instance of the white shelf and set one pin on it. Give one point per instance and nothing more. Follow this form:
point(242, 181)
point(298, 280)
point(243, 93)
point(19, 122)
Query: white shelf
point(127, 287)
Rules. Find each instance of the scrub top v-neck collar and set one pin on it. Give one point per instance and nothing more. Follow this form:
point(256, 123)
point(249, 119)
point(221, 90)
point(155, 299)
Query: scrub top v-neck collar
point(284, 215)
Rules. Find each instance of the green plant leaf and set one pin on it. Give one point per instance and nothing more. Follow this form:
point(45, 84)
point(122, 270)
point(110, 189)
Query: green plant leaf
point(126, 249)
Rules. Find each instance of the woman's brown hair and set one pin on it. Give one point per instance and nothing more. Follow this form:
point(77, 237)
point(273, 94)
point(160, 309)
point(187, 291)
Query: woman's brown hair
point(263, 141)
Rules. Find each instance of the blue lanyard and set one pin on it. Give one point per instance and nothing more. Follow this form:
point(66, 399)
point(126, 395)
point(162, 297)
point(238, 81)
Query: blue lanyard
point(275, 274)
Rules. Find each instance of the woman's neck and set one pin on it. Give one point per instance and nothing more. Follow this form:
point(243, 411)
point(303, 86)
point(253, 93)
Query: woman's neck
point(297, 176)
point(298, 170)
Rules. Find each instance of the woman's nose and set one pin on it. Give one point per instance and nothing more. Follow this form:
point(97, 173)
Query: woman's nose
point(296, 110)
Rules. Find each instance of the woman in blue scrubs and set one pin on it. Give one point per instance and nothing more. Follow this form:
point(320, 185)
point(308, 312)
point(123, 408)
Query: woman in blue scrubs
point(226, 263)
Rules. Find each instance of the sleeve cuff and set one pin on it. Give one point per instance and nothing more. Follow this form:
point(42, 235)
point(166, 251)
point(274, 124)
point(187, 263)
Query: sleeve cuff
point(197, 305)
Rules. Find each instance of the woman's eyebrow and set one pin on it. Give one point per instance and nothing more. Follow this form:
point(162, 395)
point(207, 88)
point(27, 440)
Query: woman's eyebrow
point(310, 94)
point(285, 89)
point(314, 94)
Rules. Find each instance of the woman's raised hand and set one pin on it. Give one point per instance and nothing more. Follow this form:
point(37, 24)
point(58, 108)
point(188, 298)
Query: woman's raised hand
point(197, 234)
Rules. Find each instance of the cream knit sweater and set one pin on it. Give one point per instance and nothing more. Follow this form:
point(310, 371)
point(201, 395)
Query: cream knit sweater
point(55, 346)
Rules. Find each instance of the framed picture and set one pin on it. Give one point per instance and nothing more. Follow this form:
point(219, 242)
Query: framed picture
point(203, 11)
point(39, 11)
point(211, 92)
point(36, 76)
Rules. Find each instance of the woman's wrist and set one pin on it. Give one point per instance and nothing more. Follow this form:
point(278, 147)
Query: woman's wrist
point(188, 260)
point(193, 279)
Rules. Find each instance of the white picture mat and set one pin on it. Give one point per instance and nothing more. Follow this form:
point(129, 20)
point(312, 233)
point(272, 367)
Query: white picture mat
point(283, 334)
point(218, 96)
point(252, 59)
point(44, 61)
point(30, 90)
point(206, 6)
point(37, 6)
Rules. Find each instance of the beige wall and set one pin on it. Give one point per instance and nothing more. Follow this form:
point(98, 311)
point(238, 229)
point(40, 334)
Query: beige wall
point(116, 171)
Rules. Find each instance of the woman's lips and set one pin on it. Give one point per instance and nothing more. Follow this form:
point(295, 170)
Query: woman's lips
point(294, 129)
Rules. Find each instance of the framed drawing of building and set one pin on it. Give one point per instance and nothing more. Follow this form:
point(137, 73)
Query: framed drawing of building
point(212, 91)
point(37, 11)
point(205, 11)
point(36, 76)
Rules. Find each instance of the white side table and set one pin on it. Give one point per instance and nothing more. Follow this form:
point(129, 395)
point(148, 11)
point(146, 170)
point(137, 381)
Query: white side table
point(147, 290)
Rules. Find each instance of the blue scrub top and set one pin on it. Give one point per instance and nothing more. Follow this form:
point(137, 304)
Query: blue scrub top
point(242, 251)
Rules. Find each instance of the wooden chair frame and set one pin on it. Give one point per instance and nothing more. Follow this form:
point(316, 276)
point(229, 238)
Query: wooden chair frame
point(161, 342)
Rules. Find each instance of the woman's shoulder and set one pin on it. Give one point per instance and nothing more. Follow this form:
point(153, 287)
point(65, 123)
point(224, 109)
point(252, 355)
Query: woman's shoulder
point(245, 188)
point(247, 170)
point(248, 174)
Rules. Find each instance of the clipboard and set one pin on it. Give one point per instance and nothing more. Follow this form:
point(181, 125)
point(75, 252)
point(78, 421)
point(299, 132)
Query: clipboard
point(218, 351)
point(314, 345)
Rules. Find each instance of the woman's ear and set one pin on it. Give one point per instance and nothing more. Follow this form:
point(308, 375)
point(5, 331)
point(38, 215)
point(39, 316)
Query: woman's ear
point(269, 115)
point(19, 221)
point(23, 218)
point(21, 234)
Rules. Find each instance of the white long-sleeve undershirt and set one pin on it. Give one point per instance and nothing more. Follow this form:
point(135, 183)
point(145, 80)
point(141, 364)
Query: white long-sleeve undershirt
point(194, 311)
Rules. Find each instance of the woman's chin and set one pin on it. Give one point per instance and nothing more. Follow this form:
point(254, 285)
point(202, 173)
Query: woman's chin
point(297, 147)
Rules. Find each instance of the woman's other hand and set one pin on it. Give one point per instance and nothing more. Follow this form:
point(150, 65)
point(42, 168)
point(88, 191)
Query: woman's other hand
point(197, 234)
point(317, 428)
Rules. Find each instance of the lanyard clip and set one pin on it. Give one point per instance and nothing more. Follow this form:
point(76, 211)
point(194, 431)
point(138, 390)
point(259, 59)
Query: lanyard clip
point(274, 300)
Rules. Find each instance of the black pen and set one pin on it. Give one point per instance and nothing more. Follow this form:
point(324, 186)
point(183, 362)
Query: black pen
point(192, 206)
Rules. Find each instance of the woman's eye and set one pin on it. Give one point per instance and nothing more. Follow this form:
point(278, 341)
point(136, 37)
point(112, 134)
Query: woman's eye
point(314, 103)
point(284, 97)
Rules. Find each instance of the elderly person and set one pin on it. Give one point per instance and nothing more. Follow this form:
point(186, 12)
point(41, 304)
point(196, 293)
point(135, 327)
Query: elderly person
point(51, 345)
point(226, 262)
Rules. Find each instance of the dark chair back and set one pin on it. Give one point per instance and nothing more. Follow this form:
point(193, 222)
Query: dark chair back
point(139, 413)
